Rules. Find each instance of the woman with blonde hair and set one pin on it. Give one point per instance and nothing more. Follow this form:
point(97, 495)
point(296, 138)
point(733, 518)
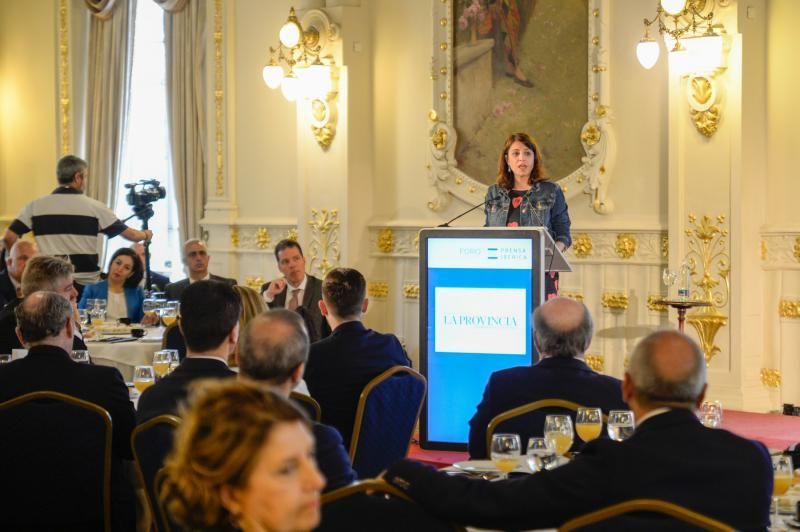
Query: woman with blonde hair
point(243, 459)
point(252, 306)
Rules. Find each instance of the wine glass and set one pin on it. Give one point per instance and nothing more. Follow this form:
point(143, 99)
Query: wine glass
point(83, 318)
point(80, 355)
point(169, 313)
point(588, 423)
point(161, 362)
point(143, 377)
point(150, 309)
point(620, 424)
point(669, 277)
point(506, 452)
point(782, 469)
point(558, 429)
point(541, 454)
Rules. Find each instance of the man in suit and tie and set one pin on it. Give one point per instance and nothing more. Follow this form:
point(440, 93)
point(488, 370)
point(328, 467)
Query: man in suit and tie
point(195, 258)
point(340, 365)
point(45, 327)
point(562, 333)
point(296, 290)
point(158, 281)
point(671, 456)
point(11, 278)
point(210, 326)
point(274, 351)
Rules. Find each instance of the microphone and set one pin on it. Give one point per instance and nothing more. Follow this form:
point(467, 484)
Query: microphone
point(447, 223)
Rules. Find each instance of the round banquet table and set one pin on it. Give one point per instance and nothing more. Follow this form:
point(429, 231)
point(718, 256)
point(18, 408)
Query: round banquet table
point(126, 355)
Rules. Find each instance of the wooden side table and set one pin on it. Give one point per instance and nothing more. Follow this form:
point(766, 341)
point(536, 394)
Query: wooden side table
point(682, 305)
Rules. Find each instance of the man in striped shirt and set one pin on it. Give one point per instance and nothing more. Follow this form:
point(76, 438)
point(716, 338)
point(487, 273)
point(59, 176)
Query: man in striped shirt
point(66, 222)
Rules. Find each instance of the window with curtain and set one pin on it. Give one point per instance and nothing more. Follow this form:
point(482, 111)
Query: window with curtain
point(146, 149)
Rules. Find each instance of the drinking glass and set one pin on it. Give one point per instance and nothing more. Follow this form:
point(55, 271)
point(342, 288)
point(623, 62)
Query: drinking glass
point(541, 454)
point(169, 313)
point(620, 424)
point(98, 312)
point(713, 408)
point(143, 377)
point(83, 317)
point(506, 452)
point(161, 362)
point(5, 359)
point(669, 277)
point(150, 308)
point(80, 355)
point(588, 423)
point(558, 429)
point(782, 469)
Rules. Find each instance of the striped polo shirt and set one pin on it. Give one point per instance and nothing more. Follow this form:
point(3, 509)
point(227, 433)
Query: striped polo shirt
point(67, 222)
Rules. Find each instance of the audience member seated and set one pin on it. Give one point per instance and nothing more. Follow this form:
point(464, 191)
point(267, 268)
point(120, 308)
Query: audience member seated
point(343, 363)
point(120, 289)
point(243, 460)
point(562, 333)
point(46, 328)
point(210, 326)
point(157, 280)
point(42, 273)
point(274, 350)
point(296, 290)
point(195, 259)
point(671, 456)
point(11, 277)
point(252, 306)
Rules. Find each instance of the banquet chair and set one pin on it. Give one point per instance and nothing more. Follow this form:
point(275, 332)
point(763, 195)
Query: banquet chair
point(151, 442)
point(57, 466)
point(647, 506)
point(523, 426)
point(387, 412)
point(173, 339)
point(309, 405)
point(165, 524)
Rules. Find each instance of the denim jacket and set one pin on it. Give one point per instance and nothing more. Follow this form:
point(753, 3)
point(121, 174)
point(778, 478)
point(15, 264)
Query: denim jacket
point(543, 205)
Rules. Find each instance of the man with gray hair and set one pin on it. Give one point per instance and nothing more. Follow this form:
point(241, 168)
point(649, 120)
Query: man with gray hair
point(671, 457)
point(11, 278)
point(562, 332)
point(274, 351)
point(45, 326)
point(195, 259)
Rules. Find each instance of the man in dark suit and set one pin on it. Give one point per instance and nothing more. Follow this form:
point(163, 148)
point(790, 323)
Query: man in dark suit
point(210, 326)
point(274, 351)
point(296, 290)
point(11, 278)
point(195, 258)
point(562, 333)
point(46, 329)
point(158, 281)
point(671, 456)
point(42, 273)
point(343, 363)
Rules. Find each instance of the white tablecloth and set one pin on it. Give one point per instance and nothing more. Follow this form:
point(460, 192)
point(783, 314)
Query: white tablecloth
point(126, 355)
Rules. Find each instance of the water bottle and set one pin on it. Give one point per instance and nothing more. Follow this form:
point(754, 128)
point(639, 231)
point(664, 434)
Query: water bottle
point(683, 287)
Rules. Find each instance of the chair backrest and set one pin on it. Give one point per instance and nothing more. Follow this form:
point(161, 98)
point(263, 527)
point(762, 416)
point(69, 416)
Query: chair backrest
point(371, 485)
point(151, 442)
point(549, 405)
point(173, 339)
point(308, 404)
point(646, 505)
point(166, 524)
point(388, 410)
point(56, 472)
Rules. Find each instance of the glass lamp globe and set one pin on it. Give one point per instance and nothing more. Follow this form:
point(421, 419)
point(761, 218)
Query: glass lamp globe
point(647, 52)
point(291, 32)
point(273, 74)
point(673, 7)
point(290, 87)
point(319, 80)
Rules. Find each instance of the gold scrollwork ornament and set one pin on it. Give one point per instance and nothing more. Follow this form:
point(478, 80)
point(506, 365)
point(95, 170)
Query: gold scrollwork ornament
point(702, 93)
point(770, 377)
point(411, 290)
point(262, 238)
point(386, 240)
point(378, 289)
point(582, 245)
point(625, 246)
point(614, 301)
point(789, 308)
point(324, 117)
point(596, 362)
point(325, 253)
point(254, 282)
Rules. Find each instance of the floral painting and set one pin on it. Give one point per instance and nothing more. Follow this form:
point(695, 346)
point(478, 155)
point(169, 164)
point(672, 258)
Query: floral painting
point(520, 65)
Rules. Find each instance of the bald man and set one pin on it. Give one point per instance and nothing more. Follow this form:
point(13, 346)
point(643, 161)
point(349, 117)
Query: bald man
point(671, 456)
point(562, 333)
point(11, 277)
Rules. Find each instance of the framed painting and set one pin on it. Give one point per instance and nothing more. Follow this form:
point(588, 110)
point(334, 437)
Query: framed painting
point(506, 66)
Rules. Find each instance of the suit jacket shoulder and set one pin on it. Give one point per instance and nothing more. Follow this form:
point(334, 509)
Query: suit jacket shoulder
point(174, 290)
point(7, 290)
point(221, 279)
point(332, 458)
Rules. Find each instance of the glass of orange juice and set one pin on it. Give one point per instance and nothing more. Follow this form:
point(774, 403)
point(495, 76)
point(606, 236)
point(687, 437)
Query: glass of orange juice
point(783, 474)
point(588, 423)
point(558, 429)
point(143, 377)
point(169, 313)
point(506, 452)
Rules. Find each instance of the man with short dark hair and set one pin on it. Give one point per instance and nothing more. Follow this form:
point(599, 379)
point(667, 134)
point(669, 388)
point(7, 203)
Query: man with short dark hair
point(45, 326)
point(340, 365)
point(11, 277)
point(296, 290)
point(562, 333)
point(195, 259)
point(671, 457)
point(67, 222)
point(274, 351)
point(210, 325)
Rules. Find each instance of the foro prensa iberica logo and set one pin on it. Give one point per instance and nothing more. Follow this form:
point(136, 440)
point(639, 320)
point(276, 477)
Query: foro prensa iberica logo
point(480, 321)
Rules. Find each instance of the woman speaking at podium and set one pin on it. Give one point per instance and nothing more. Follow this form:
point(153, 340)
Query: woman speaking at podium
point(524, 197)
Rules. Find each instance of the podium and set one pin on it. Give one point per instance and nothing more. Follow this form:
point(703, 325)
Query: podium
point(478, 290)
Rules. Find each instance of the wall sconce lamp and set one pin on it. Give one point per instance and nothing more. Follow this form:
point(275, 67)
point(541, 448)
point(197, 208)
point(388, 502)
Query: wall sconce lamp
point(299, 67)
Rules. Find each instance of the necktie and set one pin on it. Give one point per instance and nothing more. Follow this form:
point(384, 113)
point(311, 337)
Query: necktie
point(293, 301)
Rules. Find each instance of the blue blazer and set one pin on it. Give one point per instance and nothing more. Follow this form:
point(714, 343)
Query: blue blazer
point(134, 297)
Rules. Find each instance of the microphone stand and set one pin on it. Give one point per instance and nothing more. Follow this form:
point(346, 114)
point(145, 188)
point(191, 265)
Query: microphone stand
point(447, 223)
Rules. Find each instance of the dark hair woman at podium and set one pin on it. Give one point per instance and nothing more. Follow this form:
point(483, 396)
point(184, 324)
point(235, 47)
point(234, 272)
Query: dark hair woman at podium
point(524, 197)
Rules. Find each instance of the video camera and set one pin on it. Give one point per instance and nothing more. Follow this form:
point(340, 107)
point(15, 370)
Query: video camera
point(150, 190)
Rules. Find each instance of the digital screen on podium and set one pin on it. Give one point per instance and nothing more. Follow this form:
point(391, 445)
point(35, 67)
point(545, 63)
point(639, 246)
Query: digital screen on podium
point(477, 294)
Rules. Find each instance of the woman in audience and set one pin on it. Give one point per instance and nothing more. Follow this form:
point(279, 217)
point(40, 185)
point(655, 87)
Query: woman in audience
point(523, 196)
point(243, 459)
point(252, 305)
point(120, 288)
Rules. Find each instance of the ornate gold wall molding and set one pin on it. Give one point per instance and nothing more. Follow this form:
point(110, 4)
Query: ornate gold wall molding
point(577, 296)
point(254, 282)
point(324, 248)
point(780, 249)
point(625, 245)
point(234, 236)
point(378, 289)
point(596, 362)
point(614, 301)
point(291, 234)
point(411, 290)
point(386, 240)
point(219, 100)
point(262, 238)
point(770, 377)
point(582, 245)
point(64, 81)
point(789, 308)
point(398, 241)
point(703, 96)
point(256, 236)
point(653, 306)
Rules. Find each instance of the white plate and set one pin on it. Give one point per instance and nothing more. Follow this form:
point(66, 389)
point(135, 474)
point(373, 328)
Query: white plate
point(487, 466)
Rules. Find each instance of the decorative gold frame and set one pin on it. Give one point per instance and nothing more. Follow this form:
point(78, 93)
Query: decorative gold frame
point(597, 138)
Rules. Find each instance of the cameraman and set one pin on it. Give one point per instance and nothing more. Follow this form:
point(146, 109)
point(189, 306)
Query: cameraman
point(67, 222)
